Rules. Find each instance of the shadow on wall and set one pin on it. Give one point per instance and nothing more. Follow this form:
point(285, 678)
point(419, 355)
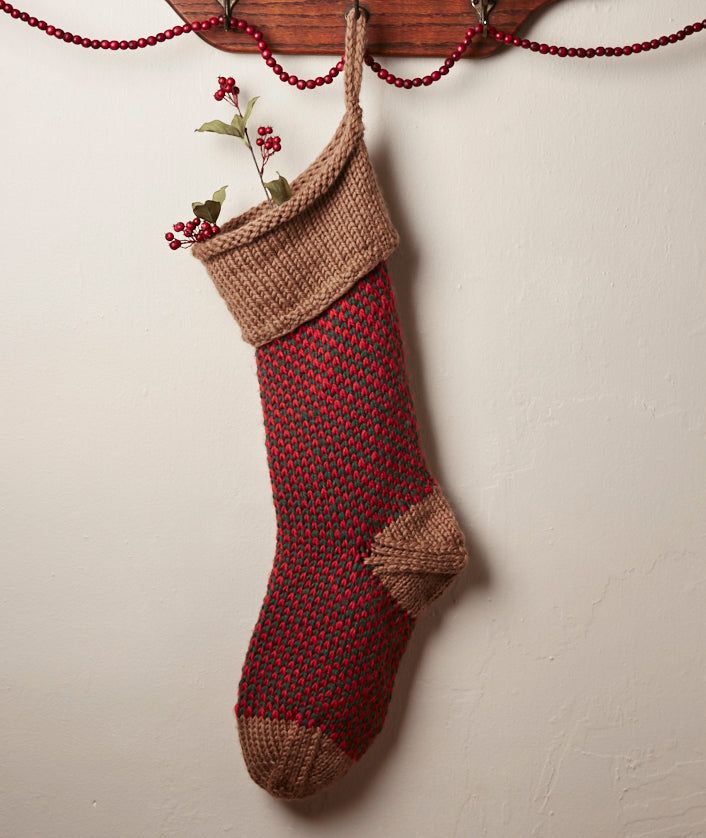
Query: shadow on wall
point(476, 577)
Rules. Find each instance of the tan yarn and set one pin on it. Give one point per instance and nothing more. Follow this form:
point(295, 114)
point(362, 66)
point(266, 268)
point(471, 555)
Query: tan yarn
point(418, 554)
point(278, 266)
point(289, 760)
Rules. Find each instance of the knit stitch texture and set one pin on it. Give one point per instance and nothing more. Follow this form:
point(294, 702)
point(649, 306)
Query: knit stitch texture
point(365, 537)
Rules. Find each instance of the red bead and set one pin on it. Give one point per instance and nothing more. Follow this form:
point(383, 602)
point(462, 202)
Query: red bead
point(293, 80)
point(435, 76)
point(382, 73)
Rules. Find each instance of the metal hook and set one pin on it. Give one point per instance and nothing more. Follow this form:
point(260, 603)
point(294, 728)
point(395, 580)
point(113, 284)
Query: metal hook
point(358, 9)
point(228, 15)
point(483, 8)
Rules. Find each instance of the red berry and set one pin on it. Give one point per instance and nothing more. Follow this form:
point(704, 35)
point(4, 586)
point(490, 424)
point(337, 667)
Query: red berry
point(231, 81)
point(215, 229)
point(169, 236)
point(179, 226)
point(221, 80)
point(259, 141)
point(218, 95)
point(175, 245)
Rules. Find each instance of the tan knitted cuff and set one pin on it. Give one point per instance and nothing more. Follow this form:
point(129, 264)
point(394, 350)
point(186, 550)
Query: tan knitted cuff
point(275, 279)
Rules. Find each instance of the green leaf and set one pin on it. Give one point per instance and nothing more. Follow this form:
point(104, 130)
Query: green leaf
point(248, 109)
point(220, 195)
point(280, 189)
point(208, 211)
point(215, 126)
point(238, 125)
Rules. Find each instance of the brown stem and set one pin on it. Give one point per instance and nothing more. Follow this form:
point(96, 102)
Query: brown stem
point(254, 159)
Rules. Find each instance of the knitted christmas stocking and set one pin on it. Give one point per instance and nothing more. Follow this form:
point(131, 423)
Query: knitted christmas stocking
point(365, 537)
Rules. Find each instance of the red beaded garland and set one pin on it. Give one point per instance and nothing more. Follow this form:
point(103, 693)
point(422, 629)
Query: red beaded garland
point(382, 73)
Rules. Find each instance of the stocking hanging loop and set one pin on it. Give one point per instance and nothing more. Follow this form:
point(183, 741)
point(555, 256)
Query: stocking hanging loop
point(353, 57)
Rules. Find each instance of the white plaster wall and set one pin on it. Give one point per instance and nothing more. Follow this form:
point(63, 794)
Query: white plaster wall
point(551, 288)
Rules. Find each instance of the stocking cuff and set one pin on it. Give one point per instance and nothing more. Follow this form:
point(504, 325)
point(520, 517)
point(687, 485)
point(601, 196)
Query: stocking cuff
point(275, 279)
point(277, 266)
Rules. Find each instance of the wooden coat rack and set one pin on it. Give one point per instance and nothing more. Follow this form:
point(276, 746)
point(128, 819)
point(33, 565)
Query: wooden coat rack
point(397, 27)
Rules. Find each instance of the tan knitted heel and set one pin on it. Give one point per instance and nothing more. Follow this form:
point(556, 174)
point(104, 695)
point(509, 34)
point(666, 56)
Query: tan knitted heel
point(418, 554)
point(289, 760)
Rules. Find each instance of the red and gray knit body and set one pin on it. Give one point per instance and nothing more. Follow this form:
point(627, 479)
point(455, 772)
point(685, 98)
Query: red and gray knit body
point(345, 463)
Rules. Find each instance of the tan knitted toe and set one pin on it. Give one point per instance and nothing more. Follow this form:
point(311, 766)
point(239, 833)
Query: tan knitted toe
point(289, 760)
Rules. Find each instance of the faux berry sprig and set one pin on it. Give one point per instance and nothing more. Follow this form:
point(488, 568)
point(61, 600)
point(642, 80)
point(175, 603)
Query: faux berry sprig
point(278, 190)
point(201, 228)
